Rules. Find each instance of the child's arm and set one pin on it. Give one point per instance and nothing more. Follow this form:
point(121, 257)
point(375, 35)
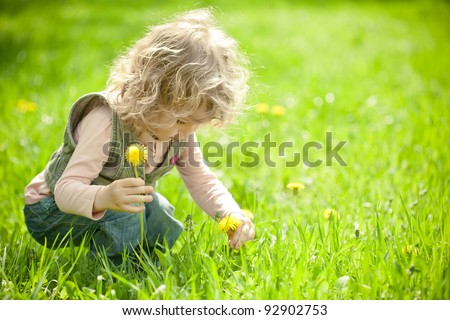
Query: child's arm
point(74, 192)
point(210, 194)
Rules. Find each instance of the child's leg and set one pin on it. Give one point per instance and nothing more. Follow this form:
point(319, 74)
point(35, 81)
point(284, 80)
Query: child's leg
point(161, 223)
point(117, 232)
point(53, 228)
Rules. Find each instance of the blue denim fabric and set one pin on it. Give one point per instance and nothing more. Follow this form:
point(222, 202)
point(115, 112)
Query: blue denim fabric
point(116, 232)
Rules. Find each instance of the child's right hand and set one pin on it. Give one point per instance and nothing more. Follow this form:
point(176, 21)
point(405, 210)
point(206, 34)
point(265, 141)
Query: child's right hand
point(121, 194)
point(244, 233)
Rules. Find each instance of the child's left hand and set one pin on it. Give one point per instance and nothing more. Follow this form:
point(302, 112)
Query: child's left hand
point(243, 233)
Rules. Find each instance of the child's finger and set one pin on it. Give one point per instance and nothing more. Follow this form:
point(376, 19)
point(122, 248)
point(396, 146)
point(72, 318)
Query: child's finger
point(242, 234)
point(139, 198)
point(251, 234)
point(132, 208)
point(235, 240)
point(131, 182)
point(138, 190)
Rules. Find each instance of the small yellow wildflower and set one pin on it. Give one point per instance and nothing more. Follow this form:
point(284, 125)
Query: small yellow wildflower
point(410, 250)
point(136, 154)
point(331, 213)
point(295, 186)
point(262, 108)
point(278, 110)
point(26, 106)
point(248, 214)
point(229, 224)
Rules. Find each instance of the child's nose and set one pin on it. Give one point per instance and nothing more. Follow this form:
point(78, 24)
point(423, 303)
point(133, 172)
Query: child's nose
point(187, 130)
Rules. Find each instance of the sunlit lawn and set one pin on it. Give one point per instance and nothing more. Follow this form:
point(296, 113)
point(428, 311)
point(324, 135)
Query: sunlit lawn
point(375, 75)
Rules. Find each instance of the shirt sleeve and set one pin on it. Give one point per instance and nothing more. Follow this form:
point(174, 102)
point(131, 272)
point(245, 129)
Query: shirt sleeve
point(73, 192)
point(203, 185)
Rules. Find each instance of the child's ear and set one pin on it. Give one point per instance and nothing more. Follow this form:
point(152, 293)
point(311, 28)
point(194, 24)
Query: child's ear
point(216, 122)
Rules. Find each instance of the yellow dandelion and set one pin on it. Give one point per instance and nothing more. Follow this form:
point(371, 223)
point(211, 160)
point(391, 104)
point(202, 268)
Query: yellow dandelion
point(295, 186)
point(136, 154)
point(278, 110)
point(331, 213)
point(410, 250)
point(248, 214)
point(229, 224)
point(26, 106)
point(262, 108)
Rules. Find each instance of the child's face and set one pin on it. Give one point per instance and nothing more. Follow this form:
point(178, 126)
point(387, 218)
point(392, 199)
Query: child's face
point(183, 129)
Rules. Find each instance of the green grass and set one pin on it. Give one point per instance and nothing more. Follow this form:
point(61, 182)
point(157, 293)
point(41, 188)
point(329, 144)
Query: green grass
point(385, 63)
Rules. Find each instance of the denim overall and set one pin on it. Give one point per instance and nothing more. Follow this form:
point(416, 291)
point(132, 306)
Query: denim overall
point(117, 232)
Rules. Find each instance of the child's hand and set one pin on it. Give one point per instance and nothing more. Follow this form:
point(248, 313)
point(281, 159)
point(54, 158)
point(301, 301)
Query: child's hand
point(121, 194)
point(245, 232)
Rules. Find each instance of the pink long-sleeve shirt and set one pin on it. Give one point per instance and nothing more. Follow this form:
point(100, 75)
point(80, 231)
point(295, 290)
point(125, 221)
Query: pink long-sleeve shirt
point(74, 193)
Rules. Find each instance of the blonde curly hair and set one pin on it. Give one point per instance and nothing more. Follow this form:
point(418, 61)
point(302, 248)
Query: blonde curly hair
point(176, 69)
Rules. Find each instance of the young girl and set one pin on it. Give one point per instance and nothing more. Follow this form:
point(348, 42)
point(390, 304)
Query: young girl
point(180, 75)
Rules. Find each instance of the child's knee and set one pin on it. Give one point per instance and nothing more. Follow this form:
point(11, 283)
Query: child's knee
point(160, 203)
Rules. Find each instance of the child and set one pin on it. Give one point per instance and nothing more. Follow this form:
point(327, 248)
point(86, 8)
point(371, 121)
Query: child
point(180, 75)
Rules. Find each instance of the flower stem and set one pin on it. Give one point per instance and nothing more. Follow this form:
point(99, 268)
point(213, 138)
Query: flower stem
point(141, 218)
point(136, 172)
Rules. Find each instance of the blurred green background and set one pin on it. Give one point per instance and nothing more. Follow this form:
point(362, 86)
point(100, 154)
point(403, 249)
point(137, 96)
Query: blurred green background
point(374, 73)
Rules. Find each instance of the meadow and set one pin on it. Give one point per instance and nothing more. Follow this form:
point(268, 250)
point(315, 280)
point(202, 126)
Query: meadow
point(367, 79)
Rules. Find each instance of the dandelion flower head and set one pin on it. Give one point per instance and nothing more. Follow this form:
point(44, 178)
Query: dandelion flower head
point(229, 224)
point(295, 186)
point(331, 213)
point(278, 110)
point(410, 250)
point(262, 108)
point(136, 154)
point(26, 106)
